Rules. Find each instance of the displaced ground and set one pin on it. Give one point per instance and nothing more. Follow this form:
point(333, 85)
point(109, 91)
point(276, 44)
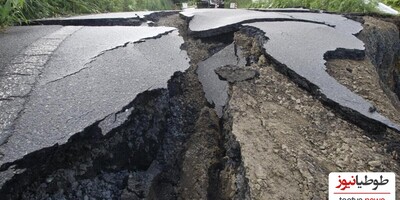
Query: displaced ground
point(169, 143)
point(290, 140)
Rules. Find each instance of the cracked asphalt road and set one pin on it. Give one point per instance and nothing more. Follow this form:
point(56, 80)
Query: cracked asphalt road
point(301, 43)
point(94, 72)
point(62, 81)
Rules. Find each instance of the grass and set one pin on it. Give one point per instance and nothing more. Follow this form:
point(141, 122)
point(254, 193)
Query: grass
point(48, 8)
point(328, 5)
point(240, 3)
point(394, 3)
point(10, 12)
point(17, 11)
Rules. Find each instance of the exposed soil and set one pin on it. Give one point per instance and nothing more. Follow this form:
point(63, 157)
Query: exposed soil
point(290, 140)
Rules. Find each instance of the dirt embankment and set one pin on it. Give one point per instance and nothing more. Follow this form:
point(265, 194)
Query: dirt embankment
point(290, 140)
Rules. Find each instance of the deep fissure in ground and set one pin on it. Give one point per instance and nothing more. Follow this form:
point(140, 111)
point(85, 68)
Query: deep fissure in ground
point(142, 158)
point(172, 146)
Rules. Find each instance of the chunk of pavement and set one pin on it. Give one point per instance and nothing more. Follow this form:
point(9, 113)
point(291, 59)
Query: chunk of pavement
point(57, 110)
point(216, 90)
point(224, 20)
point(301, 50)
point(233, 73)
point(227, 20)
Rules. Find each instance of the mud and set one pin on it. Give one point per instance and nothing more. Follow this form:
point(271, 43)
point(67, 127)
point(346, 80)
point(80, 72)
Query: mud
point(273, 133)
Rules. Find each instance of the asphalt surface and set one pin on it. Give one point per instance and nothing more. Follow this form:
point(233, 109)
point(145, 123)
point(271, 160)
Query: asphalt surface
point(216, 90)
point(302, 46)
point(95, 72)
point(301, 41)
point(16, 39)
point(224, 20)
point(89, 43)
point(19, 77)
point(57, 80)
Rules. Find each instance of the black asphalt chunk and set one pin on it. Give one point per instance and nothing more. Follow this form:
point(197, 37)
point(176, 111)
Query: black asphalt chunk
point(301, 48)
point(216, 90)
point(85, 83)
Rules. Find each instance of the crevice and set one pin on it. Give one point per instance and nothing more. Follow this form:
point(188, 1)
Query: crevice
point(381, 38)
point(139, 158)
point(171, 143)
point(236, 53)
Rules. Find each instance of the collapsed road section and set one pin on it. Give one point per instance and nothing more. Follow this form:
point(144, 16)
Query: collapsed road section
point(237, 107)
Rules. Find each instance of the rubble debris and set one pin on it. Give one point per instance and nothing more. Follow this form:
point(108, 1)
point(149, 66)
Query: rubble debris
point(233, 73)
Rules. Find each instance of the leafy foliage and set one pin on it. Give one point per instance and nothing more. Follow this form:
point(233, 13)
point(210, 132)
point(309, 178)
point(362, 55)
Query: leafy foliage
point(329, 5)
point(10, 12)
point(17, 11)
point(394, 3)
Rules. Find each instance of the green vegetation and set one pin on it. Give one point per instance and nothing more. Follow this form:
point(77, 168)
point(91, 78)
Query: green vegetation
point(10, 12)
point(17, 11)
point(49, 8)
point(329, 5)
point(240, 3)
point(394, 3)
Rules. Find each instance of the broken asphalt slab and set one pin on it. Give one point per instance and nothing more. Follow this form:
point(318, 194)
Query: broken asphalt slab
point(302, 41)
point(216, 90)
point(107, 19)
point(303, 48)
point(228, 20)
point(109, 76)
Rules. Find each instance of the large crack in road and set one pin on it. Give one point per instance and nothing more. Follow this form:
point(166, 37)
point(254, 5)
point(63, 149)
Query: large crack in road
point(147, 117)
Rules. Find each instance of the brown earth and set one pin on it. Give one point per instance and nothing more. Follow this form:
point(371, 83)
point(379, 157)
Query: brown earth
point(288, 140)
